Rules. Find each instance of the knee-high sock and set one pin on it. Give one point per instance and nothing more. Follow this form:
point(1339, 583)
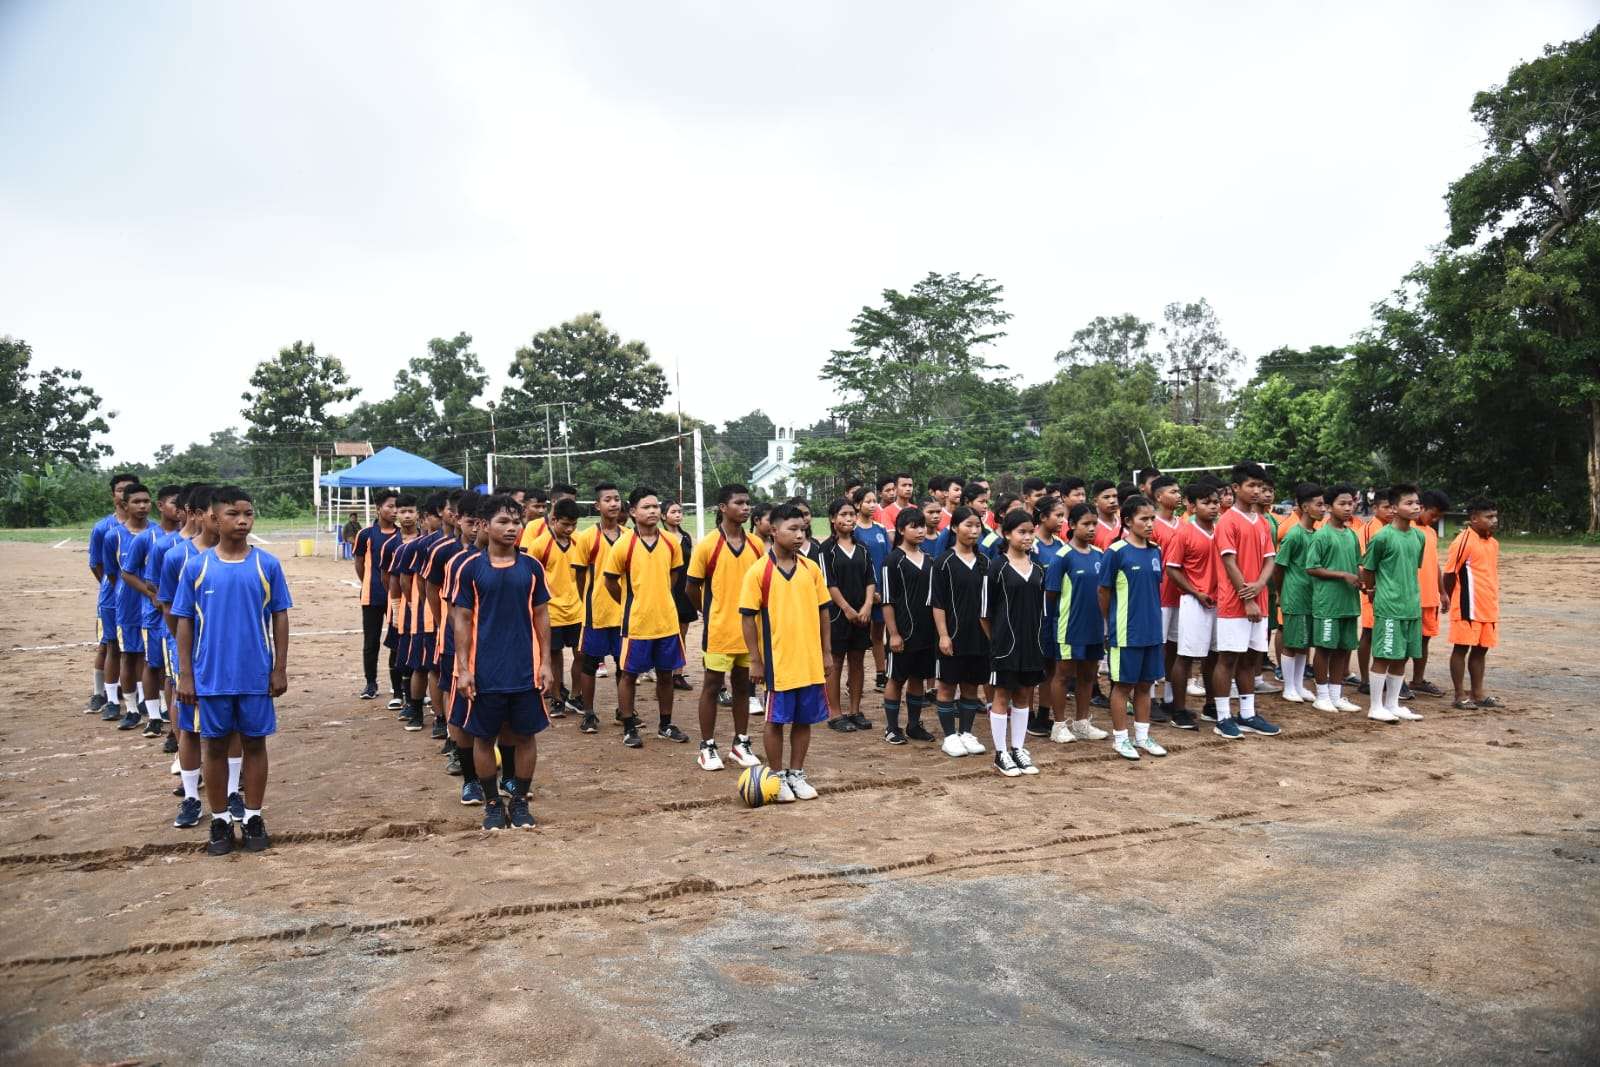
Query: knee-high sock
point(967, 714)
point(997, 730)
point(947, 716)
point(1019, 727)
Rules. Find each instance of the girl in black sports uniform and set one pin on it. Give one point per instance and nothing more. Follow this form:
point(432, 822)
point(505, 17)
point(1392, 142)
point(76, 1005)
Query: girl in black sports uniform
point(908, 628)
point(1015, 610)
point(848, 570)
point(960, 591)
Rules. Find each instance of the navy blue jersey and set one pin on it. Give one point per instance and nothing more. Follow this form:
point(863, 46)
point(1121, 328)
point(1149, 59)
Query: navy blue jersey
point(876, 540)
point(1075, 576)
point(370, 543)
point(97, 558)
point(502, 600)
point(232, 604)
point(1134, 577)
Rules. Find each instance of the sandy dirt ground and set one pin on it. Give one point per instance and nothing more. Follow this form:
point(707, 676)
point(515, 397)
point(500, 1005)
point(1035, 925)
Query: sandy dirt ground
point(1346, 892)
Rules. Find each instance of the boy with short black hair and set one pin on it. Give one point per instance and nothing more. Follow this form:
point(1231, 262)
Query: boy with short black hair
point(602, 614)
point(366, 552)
point(1389, 573)
point(185, 737)
point(1103, 494)
point(405, 512)
point(107, 658)
point(1245, 547)
point(639, 572)
point(1472, 592)
point(156, 667)
point(1294, 590)
point(1074, 491)
point(1130, 599)
point(784, 607)
point(1430, 582)
point(1164, 493)
point(130, 542)
point(1194, 569)
point(556, 550)
point(232, 609)
point(716, 580)
point(1333, 562)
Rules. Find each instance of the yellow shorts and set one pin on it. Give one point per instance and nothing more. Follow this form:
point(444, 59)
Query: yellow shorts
point(723, 662)
point(1474, 634)
point(1430, 622)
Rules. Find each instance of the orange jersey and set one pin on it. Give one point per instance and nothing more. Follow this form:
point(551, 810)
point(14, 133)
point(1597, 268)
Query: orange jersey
point(1475, 562)
point(1428, 572)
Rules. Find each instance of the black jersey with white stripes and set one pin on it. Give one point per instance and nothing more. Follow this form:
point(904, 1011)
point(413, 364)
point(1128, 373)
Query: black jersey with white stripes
point(961, 590)
point(908, 590)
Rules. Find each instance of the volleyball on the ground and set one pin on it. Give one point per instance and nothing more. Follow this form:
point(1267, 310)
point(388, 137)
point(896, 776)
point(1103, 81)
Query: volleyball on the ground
point(759, 785)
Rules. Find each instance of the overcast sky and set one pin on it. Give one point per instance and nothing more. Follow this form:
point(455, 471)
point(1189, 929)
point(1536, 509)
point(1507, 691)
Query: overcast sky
point(186, 187)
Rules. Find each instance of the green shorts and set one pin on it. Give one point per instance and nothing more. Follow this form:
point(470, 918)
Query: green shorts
point(1394, 639)
point(1336, 633)
point(1297, 631)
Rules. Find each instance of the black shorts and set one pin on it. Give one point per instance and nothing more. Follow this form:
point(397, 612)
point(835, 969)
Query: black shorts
point(565, 637)
point(523, 712)
point(848, 637)
point(916, 663)
point(1014, 680)
point(685, 606)
point(391, 639)
point(962, 670)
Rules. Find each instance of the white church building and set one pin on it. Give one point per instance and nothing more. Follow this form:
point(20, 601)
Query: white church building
point(774, 475)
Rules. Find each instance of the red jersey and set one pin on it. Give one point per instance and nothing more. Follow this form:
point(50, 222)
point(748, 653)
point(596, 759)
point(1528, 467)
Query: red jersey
point(1195, 550)
point(944, 520)
point(1248, 538)
point(884, 516)
point(1165, 537)
point(1106, 534)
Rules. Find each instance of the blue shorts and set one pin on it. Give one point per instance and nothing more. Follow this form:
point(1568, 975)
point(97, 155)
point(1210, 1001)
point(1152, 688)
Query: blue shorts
point(640, 654)
point(799, 707)
point(447, 669)
point(1084, 653)
point(169, 651)
point(105, 624)
point(1136, 664)
point(522, 712)
point(130, 636)
point(155, 648)
point(602, 641)
point(459, 706)
point(187, 717)
point(565, 637)
point(418, 649)
point(250, 714)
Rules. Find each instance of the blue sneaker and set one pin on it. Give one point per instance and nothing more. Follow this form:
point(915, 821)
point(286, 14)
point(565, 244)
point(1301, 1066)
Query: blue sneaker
point(236, 807)
point(1228, 728)
point(188, 813)
point(1255, 724)
point(494, 815)
point(471, 792)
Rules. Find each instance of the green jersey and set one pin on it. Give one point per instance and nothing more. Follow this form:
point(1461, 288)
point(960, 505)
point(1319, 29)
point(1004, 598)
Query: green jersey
point(1334, 549)
point(1395, 557)
point(1295, 596)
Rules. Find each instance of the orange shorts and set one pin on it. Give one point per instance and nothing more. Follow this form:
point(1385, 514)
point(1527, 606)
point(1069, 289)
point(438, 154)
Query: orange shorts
point(1430, 622)
point(1474, 634)
point(1366, 612)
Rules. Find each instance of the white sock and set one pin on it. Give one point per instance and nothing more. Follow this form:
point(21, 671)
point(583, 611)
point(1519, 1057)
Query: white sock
point(191, 783)
point(1336, 691)
point(138, 693)
point(1324, 691)
point(1119, 735)
point(152, 708)
point(1379, 686)
point(99, 683)
point(1166, 691)
point(1392, 691)
point(998, 727)
point(235, 766)
point(251, 813)
point(1247, 705)
point(1291, 674)
point(1223, 710)
point(112, 694)
point(162, 704)
point(1019, 727)
point(1141, 730)
point(223, 815)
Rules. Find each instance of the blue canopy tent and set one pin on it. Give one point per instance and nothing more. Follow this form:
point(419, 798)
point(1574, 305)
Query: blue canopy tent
point(392, 467)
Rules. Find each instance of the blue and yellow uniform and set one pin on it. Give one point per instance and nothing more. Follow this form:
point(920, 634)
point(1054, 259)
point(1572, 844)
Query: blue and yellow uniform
point(786, 606)
point(720, 570)
point(105, 601)
point(1074, 577)
point(503, 599)
point(172, 563)
point(602, 614)
point(649, 625)
point(1133, 617)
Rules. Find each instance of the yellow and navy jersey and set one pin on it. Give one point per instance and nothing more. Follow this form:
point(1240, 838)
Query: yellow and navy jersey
point(502, 600)
point(1134, 577)
point(786, 606)
point(531, 532)
point(232, 603)
point(601, 610)
point(370, 545)
point(566, 607)
point(644, 569)
point(720, 570)
point(439, 556)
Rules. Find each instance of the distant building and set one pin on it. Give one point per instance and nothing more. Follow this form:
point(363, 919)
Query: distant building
point(774, 475)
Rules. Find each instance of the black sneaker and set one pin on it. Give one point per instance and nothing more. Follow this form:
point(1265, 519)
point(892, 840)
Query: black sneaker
point(670, 732)
point(1365, 688)
point(129, 721)
point(452, 765)
point(448, 747)
point(96, 702)
point(170, 746)
point(630, 733)
point(681, 684)
point(861, 721)
point(1209, 712)
point(111, 712)
point(236, 806)
point(221, 842)
point(590, 723)
point(440, 731)
point(255, 835)
point(370, 692)
point(1159, 712)
point(918, 732)
point(894, 737)
point(1038, 725)
point(188, 813)
point(1405, 692)
point(152, 728)
point(520, 817)
point(494, 815)
point(1182, 719)
point(414, 722)
point(880, 681)
point(842, 724)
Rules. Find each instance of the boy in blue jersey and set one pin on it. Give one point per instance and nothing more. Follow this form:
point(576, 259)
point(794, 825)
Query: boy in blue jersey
point(408, 584)
point(367, 551)
point(107, 657)
point(232, 609)
point(502, 649)
point(128, 544)
point(152, 622)
point(1130, 596)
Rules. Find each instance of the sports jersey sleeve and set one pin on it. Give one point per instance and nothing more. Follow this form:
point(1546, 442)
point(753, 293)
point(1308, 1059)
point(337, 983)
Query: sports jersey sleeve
point(363, 542)
point(1055, 572)
point(277, 586)
point(939, 588)
point(171, 565)
point(676, 544)
point(466, 594)
point(1227, 537)
point(541, 587)
point(1269, 547)
point(183, 595)
point(1457, 556)
point(611, 566)
point(1108, 569)
point(890, 578)
point(823, 599)
point(97, 540)
point(697, 558)
point(1374, 556)
point(993, 595)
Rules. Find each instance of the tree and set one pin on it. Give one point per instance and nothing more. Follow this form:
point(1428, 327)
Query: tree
point(747, 437)
point(1100, 419)
point(1199, 362)
point(433, 405)
point(1174, 444)
point(287, 406)
point(45, 417)
point(1123, 340)
point(223, 459)
point(1312, 368)
point(1307, 434)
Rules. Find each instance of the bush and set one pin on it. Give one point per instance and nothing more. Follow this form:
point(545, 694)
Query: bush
point(56, 495)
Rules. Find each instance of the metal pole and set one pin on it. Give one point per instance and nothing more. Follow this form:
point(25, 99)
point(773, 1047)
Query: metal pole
point(677, 390)
point(316, 500)
point(489, 473)
point(549, 448)
point(566, 439)
point(699, 488)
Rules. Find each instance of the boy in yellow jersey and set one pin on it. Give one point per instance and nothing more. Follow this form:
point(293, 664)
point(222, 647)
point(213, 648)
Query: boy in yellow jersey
point(716, 578)
point(555, 550)
point(639, 572)
point(784, 605)
point(602, 614)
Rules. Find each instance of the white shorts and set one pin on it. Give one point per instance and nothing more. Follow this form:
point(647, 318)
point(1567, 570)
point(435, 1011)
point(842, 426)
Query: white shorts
point(1241, 635)
point(1197, 628)
point(1169, 623)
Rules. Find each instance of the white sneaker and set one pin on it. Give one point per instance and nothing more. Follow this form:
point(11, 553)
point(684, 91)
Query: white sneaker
point(176, 769)
point(1124, 748)
point(1197, 688)
point(1324, 704)
point(1061, 733)
point(1024, 761)
point(708, 758)
point(1084, 730)
point(1293, 696)
point(741, 754)
point(757, 709)
point(1150, 745)
point(602, 671)
point(802, 788)
point(973, 745)
point(785, 794)
point(952, 746)
point(1345, 705)
point(1382, 715)
point(1407, 714)
point(1267, 685)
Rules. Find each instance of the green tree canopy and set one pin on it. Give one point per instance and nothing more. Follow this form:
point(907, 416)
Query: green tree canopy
point(1200, 362)
point(288, 407)
point(1122, 340)
point(47, 416)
